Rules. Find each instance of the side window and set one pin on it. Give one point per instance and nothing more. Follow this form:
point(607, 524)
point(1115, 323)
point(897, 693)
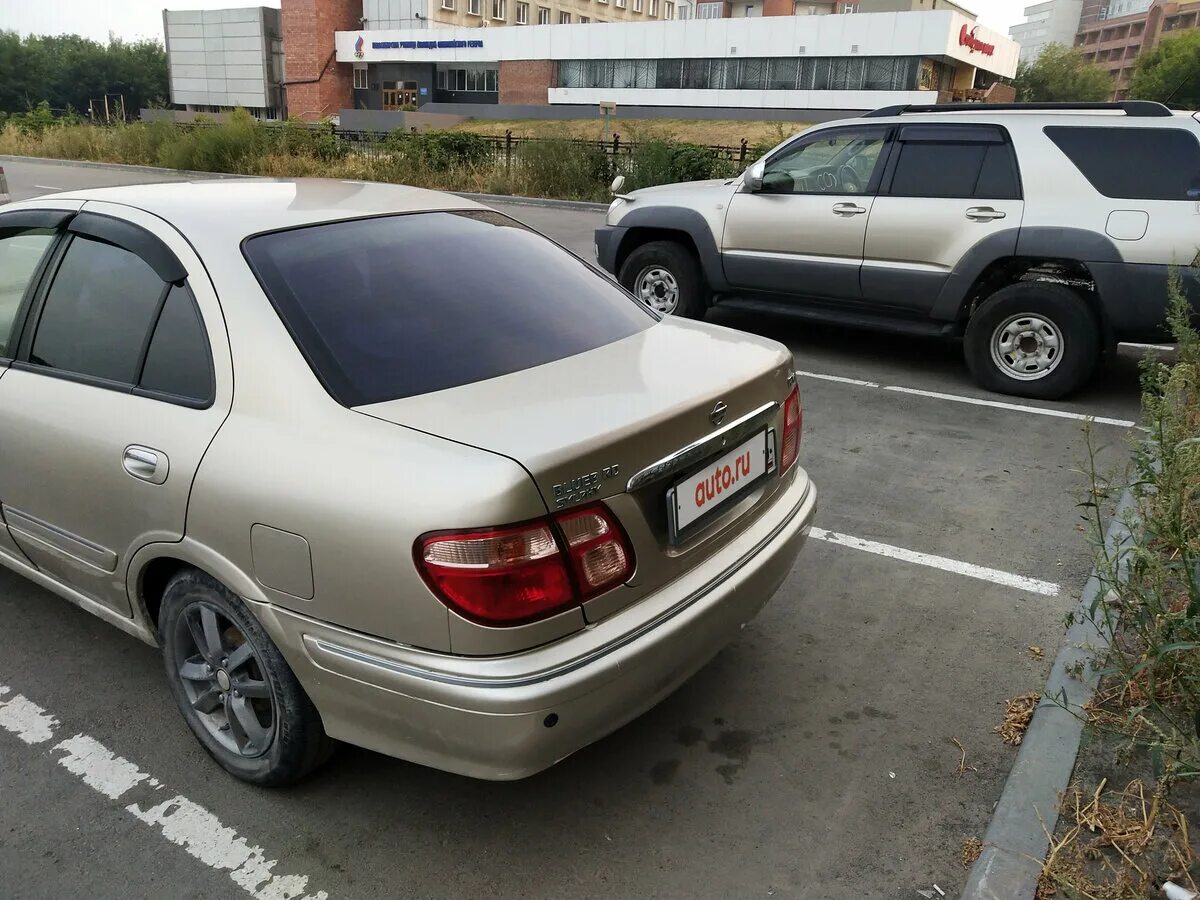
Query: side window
point(21, 250)
point(178, 361)
point(842, 162)
point(955, 169)
point(98, 312)
point(1133, 163)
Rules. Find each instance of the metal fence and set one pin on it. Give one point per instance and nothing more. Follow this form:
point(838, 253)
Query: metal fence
point(505, 147)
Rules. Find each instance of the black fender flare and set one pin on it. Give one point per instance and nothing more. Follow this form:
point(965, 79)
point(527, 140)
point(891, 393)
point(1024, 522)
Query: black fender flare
point(687, 221)
point(1047, 242)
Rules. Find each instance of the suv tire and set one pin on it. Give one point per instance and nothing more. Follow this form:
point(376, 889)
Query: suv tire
point(666, 276)
point(1033, 339)
point(234, 688)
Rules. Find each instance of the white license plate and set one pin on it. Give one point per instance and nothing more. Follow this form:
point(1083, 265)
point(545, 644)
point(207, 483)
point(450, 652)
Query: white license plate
point(720, 482)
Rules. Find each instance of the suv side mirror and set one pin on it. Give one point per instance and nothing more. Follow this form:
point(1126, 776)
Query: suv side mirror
point(753, 181)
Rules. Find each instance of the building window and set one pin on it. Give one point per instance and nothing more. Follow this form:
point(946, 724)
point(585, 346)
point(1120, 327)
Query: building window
point(883, 73)
point(685, 11)
point(584, 20)
point(473, 8)
point(709, 10)
point(654, 9)
point(447, 4)
point(522, 13)
point(543, 15)
point(637, 5)
point(360, 78)
point(669, 10)
point(847, 7)
point(564, 18)
point(620, 4)
point(500, 10)
point(474, 79)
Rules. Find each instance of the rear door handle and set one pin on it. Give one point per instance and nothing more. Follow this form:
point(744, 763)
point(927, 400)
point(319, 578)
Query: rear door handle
point(985, 213)
point(145, 464)
point(849, 209)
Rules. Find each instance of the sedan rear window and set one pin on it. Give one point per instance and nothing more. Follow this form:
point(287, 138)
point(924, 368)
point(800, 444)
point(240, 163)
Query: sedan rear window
point(403, 305)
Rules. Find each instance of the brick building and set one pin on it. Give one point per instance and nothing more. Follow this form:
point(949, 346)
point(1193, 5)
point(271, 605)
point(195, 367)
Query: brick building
point(1114, 34)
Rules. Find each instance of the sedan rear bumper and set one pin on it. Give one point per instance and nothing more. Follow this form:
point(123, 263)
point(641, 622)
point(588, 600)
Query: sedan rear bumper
point(505, 718)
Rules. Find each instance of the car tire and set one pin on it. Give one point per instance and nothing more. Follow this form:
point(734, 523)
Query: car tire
point(1033, 339)
point(666, 276)
point(255, 719)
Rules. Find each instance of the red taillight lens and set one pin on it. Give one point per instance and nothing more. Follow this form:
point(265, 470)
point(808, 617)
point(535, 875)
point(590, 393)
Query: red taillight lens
point(519, 573)
point(793, 417)
point(503, 576)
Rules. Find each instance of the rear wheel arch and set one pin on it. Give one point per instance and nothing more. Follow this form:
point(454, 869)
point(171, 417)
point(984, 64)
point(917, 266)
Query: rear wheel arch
point(1007, 270)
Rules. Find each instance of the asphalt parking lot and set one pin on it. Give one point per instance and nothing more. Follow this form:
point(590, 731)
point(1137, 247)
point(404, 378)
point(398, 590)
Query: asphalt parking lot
point(814, 758)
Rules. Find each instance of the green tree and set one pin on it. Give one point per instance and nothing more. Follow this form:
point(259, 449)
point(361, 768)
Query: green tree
point(1170, 72)
point(68, 71)
point(1061, 74)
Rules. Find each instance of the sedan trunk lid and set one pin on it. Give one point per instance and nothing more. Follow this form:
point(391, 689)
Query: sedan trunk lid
point(585, 426)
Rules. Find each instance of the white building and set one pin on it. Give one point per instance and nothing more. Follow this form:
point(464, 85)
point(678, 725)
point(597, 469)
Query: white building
point(224, 58)
point(1049, 22)
point(812, 62)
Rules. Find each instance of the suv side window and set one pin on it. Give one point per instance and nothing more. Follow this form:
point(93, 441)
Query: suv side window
point(97, 313)
point(836, 162)
point(21, 252)
point(973, 162)
point(1133, 163)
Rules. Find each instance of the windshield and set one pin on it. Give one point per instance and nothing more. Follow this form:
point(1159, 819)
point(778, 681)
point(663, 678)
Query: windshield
point(402, 305)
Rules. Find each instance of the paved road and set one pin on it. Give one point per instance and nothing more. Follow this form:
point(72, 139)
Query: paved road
point(813, 758)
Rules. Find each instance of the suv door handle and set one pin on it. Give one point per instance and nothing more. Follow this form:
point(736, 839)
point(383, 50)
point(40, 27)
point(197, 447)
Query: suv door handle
point(849, 209)
point(985, 213)
point(145, 464)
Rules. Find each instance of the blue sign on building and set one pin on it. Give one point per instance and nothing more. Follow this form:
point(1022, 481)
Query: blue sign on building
point(424, 45)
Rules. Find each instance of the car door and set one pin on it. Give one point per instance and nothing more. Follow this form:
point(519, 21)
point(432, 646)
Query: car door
point(803, 231)
point(946, 190)
point(26, 241)
point(108, 406)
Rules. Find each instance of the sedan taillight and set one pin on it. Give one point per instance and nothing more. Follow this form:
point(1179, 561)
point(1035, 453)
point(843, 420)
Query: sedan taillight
point(793, 417)
point(519, 573)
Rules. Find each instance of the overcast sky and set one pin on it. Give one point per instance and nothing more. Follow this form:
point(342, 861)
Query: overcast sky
point(132, 19)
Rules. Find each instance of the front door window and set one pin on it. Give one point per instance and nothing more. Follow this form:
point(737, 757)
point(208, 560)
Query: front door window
point(840, 163)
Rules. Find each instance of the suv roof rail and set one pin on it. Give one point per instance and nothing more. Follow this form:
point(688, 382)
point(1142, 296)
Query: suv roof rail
point(1136, 108)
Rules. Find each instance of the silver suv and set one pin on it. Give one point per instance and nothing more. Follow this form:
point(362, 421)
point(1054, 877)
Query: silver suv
point(1042, 234)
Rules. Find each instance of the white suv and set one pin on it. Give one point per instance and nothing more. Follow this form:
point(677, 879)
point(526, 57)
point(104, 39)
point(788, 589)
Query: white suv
point(1042, 234)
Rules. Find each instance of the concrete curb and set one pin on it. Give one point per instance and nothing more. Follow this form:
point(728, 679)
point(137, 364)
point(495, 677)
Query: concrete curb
point(1015, 844)
point(580, 205)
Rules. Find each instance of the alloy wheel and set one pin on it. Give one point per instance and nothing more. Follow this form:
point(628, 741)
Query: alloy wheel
point(224, 680)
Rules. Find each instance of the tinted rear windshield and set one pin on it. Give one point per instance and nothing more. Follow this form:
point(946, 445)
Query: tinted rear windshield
point(403, 305)
point(1133, 163)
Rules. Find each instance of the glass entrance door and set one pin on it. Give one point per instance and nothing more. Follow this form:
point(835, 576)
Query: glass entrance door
point(398, 95)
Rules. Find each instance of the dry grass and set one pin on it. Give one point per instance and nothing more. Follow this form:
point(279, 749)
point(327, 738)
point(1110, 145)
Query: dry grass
point(728, 132)
point(971, 849)
point(1017, 714)
point(1117, 846)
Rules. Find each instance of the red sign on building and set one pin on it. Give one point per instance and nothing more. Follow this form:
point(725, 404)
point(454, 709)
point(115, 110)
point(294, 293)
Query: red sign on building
point(967, 38)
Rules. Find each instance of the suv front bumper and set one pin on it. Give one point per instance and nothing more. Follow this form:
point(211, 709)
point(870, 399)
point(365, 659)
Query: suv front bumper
point(608, 241)
point(505, 718)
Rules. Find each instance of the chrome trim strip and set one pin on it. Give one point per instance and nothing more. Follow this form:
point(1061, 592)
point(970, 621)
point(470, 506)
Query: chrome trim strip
point(795, 257)
point(698, 450)
point(582, 661)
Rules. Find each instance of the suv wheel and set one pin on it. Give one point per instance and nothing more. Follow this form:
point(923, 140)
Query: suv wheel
point(667, 278)
point(233, 687)
point(1033, 339)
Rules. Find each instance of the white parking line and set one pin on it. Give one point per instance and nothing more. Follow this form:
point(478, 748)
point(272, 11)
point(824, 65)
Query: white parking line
point(975, 401)
point(177, 819)
point(47, 187)
point(958, 567)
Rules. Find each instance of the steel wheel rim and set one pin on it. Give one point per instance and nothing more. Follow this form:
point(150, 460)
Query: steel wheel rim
point(1027, 347)
point(224, 681)
point(658, 289)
